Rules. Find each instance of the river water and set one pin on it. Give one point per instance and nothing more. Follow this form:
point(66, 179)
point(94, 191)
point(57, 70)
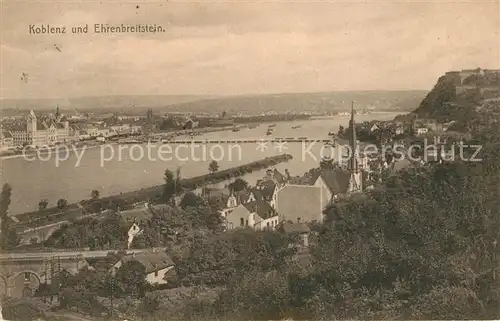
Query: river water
point(111, 170)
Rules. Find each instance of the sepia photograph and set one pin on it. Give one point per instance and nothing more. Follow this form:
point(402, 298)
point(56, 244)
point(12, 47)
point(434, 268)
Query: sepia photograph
point(186, 160)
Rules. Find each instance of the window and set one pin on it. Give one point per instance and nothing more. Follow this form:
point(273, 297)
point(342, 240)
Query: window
point(242, 222)
point(27, 276)
point(246, 223)
point(156, 274)
point(267, 224)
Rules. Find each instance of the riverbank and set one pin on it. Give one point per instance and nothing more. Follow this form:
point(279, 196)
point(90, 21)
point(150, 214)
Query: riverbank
point(149, 194)
point(46, 151)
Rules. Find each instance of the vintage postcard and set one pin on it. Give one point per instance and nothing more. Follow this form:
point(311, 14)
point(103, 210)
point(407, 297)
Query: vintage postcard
point(249, 160)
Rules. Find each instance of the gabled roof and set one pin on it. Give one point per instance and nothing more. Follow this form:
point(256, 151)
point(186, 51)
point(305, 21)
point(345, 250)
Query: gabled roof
point(266, 188)
point(59, 125)
point(261, 208)
point(280, 178)
point(41, 125)
point(337, 180)
point(6, 134)
point(152, 261)
point(242, 196)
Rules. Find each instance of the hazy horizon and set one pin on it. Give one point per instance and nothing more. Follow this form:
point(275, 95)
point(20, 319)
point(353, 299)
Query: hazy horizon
point(220, 96)
point(243, 49)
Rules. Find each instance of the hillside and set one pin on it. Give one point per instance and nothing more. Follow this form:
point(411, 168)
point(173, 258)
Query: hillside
point(459, 94)
point(317, 102)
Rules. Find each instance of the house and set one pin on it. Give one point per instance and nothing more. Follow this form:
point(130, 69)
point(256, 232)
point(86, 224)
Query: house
point(374, 128)
point(257, 215)
point(301, 203)
point(266, 216)
point(301, 229)
point(332, 183)
point(136, 218)
point(267, 189)
point(226, 200)
point(239, 217)
point(158, 264)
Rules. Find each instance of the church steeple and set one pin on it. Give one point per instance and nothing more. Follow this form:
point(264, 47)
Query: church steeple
point(353, 142)
point(356, 180)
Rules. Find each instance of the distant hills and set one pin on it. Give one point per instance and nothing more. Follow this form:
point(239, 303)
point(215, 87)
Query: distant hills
point(117, 103)
point(317, 102)
point(289, 102)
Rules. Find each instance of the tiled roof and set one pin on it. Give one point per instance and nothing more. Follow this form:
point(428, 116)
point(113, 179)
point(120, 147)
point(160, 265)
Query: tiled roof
point(242, 196)
point(261, 208)
point(41, 125)
point(337, 180)
point(299, 201)
point(266, 188)
point(280, 178)
point(152, 261)
point(16, 127)
point(6, 134)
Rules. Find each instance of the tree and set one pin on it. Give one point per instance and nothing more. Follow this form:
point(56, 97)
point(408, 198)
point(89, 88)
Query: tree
point(191, 200)
point(130, 279)
point(94, 195)
point(4, 219)
point(238, 185)
point(42, 205)
point(172, 184)
point(62, 204)
point(213, 167)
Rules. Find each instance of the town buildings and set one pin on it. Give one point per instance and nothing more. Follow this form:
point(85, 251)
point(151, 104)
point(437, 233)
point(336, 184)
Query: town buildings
point(157, 263)
point(42, 131)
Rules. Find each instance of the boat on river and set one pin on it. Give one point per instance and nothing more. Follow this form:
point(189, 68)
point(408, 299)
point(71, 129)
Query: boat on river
point(296, 127)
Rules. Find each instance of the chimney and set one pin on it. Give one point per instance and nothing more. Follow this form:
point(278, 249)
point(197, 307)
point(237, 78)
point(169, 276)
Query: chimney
point(154, 250)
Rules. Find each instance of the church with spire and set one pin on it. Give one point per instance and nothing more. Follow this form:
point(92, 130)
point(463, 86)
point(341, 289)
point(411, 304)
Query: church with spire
point(339, 180)
point(356, 175)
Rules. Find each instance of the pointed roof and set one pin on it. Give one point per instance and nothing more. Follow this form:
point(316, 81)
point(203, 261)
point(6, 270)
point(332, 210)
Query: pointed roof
point(353, 163)
point(266, 188)
point(337, 180)
point(280, 178)
point(261, 208)
point(152, 261)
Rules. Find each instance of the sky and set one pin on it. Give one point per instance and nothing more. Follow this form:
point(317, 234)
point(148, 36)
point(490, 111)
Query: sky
point(247, 47)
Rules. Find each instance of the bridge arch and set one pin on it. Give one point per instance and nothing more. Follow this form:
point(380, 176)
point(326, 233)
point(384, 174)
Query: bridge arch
point(24, 284)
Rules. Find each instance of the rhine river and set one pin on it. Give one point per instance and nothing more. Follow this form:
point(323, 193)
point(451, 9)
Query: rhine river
point(112, 171)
